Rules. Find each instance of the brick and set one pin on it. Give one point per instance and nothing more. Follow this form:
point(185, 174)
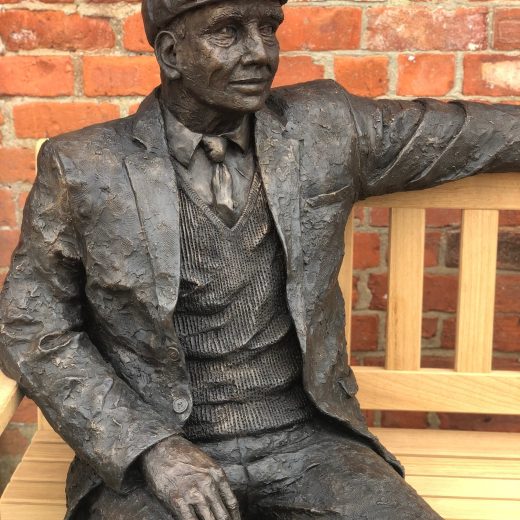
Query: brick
point(16, 165)
point(422, 28)
point(425, 74)
point(491, 75)
point(506, 29)
point(391, 419)
point(440, 292)
point(2, 121)
point(49, 119)
point(429, 327)
point(448, 333)
point(13, 441)
point(363, 76)
point(379, 217)
point(26, 412)
point(507, 291)
point(431, 250)
point(320, 28)
point(41, 76)
point(501, 363)
point(297, 69)
point(7, 208)
point(365, 332)
point(2, 278)
point(506, 337)
point(120, 75)
point(506, 333)
point(9, 240)
point(436, 217)
point(433, 361)
point(134, 37)
point(509, 218)
point(378, 286)
point(508, 250)
point(479, 422)
point(369, 416)
point(26, 30)
point(374, 361)
point(367, 249)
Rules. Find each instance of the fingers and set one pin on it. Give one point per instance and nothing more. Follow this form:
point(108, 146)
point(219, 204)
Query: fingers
point(229, 499)
point(183, 511)
point(217, 506)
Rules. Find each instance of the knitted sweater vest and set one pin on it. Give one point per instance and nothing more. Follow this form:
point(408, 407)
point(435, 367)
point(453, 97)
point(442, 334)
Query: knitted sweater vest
point(232, 319)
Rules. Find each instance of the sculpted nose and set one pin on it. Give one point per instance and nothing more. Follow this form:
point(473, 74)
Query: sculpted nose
point(254, 49)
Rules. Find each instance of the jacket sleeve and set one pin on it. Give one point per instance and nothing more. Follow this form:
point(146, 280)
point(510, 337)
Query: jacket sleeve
point(410, 145)
point(43, 345)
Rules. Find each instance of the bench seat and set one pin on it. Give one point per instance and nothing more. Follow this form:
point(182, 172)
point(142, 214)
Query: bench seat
point(463, 475)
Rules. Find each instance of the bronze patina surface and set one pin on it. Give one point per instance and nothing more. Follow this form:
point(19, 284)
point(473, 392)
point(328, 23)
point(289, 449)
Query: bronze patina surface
point(173, 305)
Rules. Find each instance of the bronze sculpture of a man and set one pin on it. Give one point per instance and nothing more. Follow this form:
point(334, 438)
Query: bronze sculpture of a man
point(173, 305)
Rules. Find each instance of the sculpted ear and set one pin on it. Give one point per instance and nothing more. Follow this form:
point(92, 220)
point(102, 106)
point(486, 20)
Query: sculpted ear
point(166, 54)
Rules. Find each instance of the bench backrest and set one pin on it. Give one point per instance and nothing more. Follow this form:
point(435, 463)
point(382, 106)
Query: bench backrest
point(472, 386)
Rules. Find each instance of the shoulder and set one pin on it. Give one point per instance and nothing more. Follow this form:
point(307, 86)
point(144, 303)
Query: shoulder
point(104, 138)
point(320, 99)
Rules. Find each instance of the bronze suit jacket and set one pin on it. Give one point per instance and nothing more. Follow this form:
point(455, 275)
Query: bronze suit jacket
point(86, 310)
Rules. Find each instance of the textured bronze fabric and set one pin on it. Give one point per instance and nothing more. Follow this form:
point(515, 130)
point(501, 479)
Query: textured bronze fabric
point(303, 472)
point(232, 320)
point(86, 309)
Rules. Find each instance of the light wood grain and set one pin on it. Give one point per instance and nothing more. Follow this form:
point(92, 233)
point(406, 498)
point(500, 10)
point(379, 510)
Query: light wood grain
point(486, 191)
point(475, 509)
point(476, 301)
point(345, 278)
point(439, 390)
point(10, 397)
point(449, 443)
point(472, 467)
point(405, 289)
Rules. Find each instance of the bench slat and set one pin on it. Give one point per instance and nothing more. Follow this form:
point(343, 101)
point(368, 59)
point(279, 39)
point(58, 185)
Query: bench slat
point(464, 487)
point(460, 467)
point(439, 390)
point(10, 398)
point(405, 289)
point(476, 301)
point(486, 191)
point(474, 509)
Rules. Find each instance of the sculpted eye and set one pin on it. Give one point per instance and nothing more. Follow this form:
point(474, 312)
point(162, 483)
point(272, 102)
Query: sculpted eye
point(268, 30)
point(227, 32)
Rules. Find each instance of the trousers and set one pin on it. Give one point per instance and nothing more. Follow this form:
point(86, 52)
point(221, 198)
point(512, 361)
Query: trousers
point(302, 472)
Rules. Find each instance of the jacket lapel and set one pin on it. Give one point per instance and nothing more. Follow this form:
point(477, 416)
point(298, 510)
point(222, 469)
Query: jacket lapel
point(154, 185)
point(279, 162)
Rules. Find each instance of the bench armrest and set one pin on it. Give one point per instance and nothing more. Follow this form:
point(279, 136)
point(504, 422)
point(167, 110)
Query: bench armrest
point(10, 397)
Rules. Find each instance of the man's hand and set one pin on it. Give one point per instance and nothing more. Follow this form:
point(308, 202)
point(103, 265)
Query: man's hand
point(189, 482)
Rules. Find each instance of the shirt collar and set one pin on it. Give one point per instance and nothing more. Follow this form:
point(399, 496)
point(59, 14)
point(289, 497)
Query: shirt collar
point(182, 142)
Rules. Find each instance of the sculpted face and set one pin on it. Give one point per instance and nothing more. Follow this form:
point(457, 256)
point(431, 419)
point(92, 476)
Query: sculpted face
point(228, 53)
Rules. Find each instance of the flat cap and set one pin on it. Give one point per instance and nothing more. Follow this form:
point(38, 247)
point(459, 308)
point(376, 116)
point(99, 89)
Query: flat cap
point(157, 14)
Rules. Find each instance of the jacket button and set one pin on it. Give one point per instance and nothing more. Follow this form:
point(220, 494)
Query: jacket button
point(174, 353)
point(180, 405)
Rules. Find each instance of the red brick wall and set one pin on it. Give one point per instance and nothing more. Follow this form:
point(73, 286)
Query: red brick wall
point(64, 65)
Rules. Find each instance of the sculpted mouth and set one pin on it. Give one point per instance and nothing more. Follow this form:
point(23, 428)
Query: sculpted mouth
point(250, 81)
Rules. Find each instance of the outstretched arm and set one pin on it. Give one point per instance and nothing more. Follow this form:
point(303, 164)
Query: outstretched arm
point(44, 347)
point(409, 145)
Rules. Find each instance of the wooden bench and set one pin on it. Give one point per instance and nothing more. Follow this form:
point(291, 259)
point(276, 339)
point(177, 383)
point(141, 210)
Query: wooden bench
point(463, 475)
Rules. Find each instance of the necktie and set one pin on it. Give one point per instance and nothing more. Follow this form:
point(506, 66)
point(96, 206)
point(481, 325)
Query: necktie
point(221, 181)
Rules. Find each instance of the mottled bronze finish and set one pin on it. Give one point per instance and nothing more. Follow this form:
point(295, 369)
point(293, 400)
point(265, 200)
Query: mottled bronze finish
point(87, 309)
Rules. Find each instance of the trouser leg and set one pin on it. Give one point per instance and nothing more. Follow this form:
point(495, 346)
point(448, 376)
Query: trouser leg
point(329, 475)
point(139, 504)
